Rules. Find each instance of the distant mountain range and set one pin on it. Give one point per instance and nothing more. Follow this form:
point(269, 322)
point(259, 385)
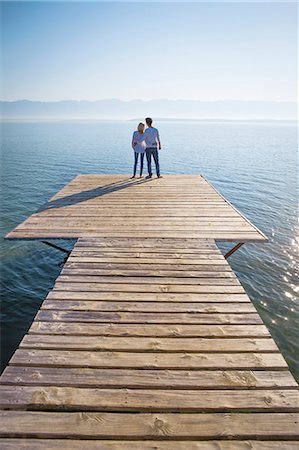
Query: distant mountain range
point(173, 109)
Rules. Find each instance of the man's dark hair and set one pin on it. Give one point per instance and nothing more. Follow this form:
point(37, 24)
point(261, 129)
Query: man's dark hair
point(149, 121)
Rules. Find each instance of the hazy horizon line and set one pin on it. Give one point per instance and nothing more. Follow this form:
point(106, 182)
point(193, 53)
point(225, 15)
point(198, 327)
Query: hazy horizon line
point(163, 119)
point(151, 100)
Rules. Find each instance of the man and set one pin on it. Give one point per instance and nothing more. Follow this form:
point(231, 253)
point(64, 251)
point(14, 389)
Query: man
point(152, 142)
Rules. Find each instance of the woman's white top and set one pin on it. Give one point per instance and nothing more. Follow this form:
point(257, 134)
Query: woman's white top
point(140, 142)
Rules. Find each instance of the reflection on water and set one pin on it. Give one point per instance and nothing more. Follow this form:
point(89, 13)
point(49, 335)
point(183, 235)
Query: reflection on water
point(253, 165)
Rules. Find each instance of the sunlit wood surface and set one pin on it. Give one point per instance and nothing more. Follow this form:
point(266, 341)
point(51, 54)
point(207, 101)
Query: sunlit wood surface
point(175, 206)
point(148, 344)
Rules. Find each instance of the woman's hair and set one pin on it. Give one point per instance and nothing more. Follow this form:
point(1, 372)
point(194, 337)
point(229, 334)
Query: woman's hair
point(140, 127)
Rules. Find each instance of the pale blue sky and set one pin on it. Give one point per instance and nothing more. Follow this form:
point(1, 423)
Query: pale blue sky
point(200, 51)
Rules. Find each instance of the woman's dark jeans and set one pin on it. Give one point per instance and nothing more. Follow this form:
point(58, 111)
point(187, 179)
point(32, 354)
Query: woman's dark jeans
point(136, 161)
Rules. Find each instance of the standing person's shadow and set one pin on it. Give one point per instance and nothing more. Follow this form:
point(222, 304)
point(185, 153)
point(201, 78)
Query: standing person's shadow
point(82, 196)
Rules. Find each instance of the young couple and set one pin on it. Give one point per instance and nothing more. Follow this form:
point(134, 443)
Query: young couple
point(147, 142)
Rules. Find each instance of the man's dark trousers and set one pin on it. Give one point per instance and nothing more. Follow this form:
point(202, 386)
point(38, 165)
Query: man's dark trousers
point(152, 151)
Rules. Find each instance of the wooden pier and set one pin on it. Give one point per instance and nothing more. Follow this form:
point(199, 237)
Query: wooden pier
point(176, 206)
point(147, 340)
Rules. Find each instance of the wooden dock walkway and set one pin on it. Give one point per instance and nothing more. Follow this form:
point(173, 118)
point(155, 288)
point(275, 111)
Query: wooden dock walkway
point(176, 206)
point(146, 343)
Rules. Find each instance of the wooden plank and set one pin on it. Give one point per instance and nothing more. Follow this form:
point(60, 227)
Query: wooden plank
point(118, 260)
point(138, 193)
point(191, 270)
point(164, 307)
point(90, 425)
point(78, 224)
point(196, 252)
point(148, 297)
point(198, 270)
point(143, 205)
point(134, 317)
point(177, 260)
point(69, 234)
point(149, 264)
point(95, 444)
point(81, 192)
point(92, 211)
point(143, 400)
point(145, 196)
point(194, 212)
point(59, 222)
point(130, 197)
point(148, 379)
point(209, 279)
point(83, 209)
point(204, 191)
point(87, 190)
point(139, 344)
point(69, 285)
point(148, 360)
point(205, 254)
point(152, 243)
point(149, 330)
point(135, 263)
point(134, 219)
point(117, 274)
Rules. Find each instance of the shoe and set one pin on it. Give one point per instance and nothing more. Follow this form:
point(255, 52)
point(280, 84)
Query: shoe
point(149, 176)
point(133, 177)
point(159, 176)
point(141, 176)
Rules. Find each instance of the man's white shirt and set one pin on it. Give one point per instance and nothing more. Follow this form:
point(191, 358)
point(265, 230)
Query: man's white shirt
point(151, 136)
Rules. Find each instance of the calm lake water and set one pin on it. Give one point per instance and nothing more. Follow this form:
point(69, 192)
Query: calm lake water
point(253, 164)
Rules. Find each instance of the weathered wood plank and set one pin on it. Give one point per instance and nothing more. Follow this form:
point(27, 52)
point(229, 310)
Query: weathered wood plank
point(187, 361)
point(133, 273)
point(154, 307)
point(171, 252)
point(148, 330)
point(129, 317)
point(155, 379)
point(142, 400)
point(152, 263)
point(93, 196)
point(68, 233)
point(150, 426)
point(119, 262)
point(235, 220)
point(152, 244)
point(210, 279)
point(78, 225)
point(95, 444)
point(154, 288)
point(139, 220)
point(140, 344)
point(207, 253)
point(92, 211)
point(148, 297)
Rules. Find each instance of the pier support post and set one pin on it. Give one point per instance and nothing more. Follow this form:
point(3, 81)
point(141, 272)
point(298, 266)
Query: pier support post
point(57, 247)
point(233, 250)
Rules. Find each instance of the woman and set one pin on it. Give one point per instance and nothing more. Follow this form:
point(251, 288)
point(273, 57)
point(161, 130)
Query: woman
point(138, 145)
